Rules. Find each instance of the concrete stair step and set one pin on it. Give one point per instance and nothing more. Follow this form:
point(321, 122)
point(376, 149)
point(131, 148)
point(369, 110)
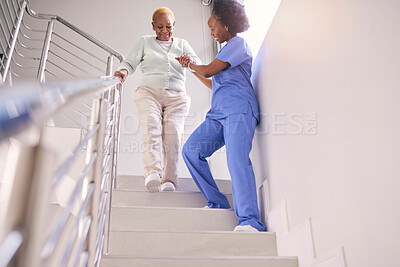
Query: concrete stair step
point(127, 197)
point(191, 243)
point(115, 261)
point(185, 184)
point(151, 218)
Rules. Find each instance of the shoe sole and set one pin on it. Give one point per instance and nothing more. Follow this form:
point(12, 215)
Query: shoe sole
point(153, 185)
point(245, 230)
point(168, 189)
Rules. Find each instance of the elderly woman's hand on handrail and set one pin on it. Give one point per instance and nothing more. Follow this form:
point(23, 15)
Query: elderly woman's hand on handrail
point(121, 75)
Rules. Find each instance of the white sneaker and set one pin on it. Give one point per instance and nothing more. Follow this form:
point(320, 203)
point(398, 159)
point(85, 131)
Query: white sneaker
point(168, 186)
point(245, 228)
point(152, 182)
point(206, 207)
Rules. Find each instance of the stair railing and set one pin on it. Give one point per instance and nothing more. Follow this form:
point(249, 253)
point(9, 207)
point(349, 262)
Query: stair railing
point(60, 61)
point(53, 49)
point(32, 177)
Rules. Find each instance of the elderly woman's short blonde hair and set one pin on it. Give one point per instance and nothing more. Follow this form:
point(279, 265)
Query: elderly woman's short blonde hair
point(163, 10)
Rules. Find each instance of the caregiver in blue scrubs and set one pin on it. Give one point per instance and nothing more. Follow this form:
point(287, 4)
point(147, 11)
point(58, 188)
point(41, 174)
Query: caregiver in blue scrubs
point(232, 119)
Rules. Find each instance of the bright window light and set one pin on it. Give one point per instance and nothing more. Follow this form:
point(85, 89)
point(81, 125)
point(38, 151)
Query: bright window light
point(260, 14)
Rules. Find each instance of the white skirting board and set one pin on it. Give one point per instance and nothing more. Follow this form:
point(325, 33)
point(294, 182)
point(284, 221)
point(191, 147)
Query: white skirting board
point(298, 240)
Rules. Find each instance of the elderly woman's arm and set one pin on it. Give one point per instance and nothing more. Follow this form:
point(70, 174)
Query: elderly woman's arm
point(129, 65)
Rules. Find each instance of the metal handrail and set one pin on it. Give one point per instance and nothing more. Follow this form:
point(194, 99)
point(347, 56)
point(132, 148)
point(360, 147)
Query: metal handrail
point(53, 239)
point(13, 31)
point(73, 55)
point(46, 99)
point(9, 247)
point(33, 104)
point(36, 109)
point(87, 52)
point(14, 40)
point(68, 163)
point(76, 29)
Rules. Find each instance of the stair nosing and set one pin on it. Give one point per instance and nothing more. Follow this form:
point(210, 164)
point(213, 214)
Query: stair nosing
point(170, 208)
point(115, 256)
point(179, 178)
point(176, 231)
point(144, 190)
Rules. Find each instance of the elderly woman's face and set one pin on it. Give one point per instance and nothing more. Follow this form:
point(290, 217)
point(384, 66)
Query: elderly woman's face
point(163, 25)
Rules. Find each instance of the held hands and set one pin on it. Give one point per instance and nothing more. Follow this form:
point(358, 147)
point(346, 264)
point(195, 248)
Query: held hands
point(121, 75)
point(184, 60)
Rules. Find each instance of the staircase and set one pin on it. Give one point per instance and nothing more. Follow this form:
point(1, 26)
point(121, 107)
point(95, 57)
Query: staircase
point(64, 171)
point(172, 229)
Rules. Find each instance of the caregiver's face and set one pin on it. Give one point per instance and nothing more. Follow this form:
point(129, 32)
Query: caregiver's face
point(163, 25)
point(218, 30)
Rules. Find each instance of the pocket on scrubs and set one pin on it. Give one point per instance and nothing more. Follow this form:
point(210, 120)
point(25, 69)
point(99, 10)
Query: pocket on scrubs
point(235, 105)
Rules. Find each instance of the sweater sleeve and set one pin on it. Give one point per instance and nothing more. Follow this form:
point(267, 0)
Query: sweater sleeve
point(188, 50)
point(134, 58)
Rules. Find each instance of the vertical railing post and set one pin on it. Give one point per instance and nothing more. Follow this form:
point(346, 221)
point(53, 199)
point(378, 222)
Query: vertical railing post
point(111, 97)
point(16, 180)
point(36, 208)
point(118, 129)
point(45, 52)
point(118, 108)
point(96, 145)
point(13, 41)
point(110, 63)
point(115, 149)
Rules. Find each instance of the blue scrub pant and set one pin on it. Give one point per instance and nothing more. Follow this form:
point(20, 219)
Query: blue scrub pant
point(236, 131)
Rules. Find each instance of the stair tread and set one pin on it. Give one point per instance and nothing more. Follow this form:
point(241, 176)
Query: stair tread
point(201, 261)
point(180, 178)
point(171, 208)
point(144, 190)
point(141, 197)
point(109, 256)
point(185, 183)
point(177, 231)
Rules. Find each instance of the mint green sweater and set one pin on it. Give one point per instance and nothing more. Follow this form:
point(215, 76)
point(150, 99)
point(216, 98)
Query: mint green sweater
point(159, 68)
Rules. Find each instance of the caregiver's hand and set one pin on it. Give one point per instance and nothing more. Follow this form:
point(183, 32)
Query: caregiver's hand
point(184, 60)
point(121, 74)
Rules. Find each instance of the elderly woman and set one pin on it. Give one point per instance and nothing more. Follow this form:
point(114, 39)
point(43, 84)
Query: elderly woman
point(232, 119)
point(160, 99)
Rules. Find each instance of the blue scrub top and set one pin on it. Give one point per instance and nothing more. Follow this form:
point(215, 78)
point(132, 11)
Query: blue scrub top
point(232, 88)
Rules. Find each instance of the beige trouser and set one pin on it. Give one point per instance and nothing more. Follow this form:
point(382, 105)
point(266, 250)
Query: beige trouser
point(162, 114)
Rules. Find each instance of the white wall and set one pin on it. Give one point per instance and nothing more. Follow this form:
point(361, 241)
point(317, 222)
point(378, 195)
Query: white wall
point(340, 60)
point(120, 24)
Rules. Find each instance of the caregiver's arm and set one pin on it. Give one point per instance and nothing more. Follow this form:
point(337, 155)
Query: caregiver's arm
point(209, 70)
point(206, 81)
point(203, 72)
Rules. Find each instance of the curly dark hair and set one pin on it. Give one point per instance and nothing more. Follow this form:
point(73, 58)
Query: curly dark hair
point(232, 14)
